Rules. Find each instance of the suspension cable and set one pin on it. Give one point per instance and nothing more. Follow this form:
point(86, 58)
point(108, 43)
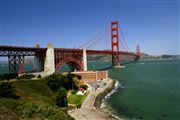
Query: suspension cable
point(97, 40)
point(93, 39)
point(124, 39)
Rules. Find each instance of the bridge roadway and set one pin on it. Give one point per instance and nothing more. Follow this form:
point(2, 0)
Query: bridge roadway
point(51, 59)
point(31, 51)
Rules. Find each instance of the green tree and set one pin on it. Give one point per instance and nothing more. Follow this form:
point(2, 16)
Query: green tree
point(84, 86)
point(8, 76)
point(70, 81)
point(54, 82)
point(7, 89)
point(61, 97)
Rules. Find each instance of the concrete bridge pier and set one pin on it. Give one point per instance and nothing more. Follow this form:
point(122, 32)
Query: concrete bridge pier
point(84, 60)
point(49, 64)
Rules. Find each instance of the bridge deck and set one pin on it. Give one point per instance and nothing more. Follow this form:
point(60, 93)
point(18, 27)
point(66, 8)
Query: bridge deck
point(5, 50)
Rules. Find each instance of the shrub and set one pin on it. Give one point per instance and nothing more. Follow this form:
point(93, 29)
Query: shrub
point(73, 91)
point(79, 77)
point(8, 76)
point(84, 86)
point(27, 76)
point(40, 111)
point(54, 82)
point(61, 98)
point(39, 76)
point(7, 89)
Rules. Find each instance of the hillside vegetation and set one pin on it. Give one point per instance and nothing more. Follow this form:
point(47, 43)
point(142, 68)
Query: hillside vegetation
point(34, 101)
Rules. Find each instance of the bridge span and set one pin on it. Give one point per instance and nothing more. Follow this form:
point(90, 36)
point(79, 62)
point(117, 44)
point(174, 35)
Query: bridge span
point(72, 57)
point(50, 59)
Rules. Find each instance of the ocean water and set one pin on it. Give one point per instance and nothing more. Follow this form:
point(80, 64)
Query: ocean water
point(149, 91)
point(144, 91)
point(5, 69)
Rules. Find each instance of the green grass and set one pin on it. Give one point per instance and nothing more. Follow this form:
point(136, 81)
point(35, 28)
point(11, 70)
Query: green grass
point(77, 99)
point(36, 101)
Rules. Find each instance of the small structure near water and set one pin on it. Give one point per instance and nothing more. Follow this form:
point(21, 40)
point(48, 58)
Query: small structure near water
point(88, 76)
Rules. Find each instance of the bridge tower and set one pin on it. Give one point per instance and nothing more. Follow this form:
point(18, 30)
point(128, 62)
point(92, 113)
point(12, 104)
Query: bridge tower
point(138, 53)
point(115, 43)
point(138, 50)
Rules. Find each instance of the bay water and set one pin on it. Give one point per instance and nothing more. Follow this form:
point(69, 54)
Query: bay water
point(148, 90)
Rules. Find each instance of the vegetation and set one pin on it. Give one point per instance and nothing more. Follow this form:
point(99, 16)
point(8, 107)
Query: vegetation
point(8, 76)
point(76, 99)
point(85, 87)
point(39, 76)
point(56, 81)
point(36, 101)
point(7, 89)
point(26, 76)
point(166, 56)
point(61, 98)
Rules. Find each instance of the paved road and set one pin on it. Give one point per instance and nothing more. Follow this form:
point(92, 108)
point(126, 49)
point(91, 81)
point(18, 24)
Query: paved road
point(87, 110)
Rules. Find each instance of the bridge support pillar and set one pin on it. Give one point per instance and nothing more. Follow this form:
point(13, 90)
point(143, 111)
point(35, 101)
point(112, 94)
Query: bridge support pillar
point(16, 64)
point(115, 44)
point(12, 64)
point(49, 65)
point(21, 65)
point(84, 60)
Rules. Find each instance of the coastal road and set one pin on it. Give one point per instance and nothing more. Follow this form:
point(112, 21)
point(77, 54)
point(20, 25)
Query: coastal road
point(87, 110)
point(89, 101)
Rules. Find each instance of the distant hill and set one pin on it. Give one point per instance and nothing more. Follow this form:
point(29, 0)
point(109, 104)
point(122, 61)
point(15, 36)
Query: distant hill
point(145, 56)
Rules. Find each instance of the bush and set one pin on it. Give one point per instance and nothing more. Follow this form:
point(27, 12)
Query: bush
point(7, 89)
point(27, 76)
point(40, 111)
point(84, 86)
point(39, 76)
point(8, 76)
point(61, 98)
point(54, 82)
point(73, 91)
point(79, 77)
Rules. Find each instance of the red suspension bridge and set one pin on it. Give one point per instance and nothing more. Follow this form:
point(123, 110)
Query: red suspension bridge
point(51, 59)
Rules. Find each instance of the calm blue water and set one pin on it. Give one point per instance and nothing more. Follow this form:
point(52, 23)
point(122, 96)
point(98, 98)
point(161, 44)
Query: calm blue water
point(149, 91)
point(4, 68)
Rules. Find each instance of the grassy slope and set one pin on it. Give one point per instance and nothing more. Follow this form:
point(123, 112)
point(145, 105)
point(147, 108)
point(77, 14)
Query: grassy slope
point(36, 102)
point(76, 99)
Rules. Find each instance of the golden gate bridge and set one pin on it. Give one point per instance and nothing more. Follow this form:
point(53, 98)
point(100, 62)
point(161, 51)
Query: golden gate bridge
point(73, 57)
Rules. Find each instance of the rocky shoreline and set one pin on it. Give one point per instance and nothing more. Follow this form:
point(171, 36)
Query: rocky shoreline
point(100, 97)
point(90, 109)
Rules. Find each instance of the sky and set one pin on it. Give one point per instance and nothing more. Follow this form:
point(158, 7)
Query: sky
point(153, 24)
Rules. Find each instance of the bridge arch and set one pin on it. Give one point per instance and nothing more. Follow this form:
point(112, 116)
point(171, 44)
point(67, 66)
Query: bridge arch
point(73, 63)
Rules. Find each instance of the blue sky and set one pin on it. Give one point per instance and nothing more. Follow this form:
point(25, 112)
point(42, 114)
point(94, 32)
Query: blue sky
point(153, 24)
